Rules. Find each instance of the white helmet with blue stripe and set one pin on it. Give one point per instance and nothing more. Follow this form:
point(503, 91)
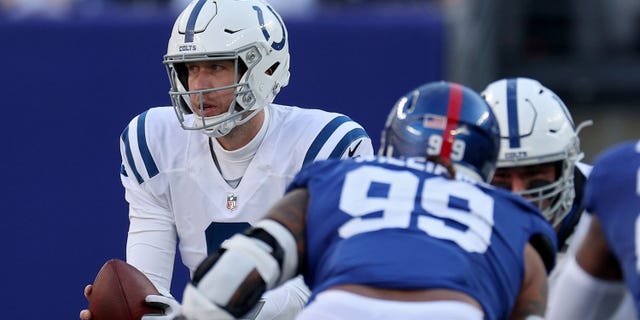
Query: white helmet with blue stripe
point(536, 128)
point(250, 33)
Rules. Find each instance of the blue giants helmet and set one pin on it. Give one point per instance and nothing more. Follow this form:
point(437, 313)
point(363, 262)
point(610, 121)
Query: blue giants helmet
point(447, 120)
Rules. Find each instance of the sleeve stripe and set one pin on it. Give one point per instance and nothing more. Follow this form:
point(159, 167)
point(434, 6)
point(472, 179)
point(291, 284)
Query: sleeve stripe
point(149, 164)
point(322, 138)
point(127, 146)
point(123, 171)
point(346, 141)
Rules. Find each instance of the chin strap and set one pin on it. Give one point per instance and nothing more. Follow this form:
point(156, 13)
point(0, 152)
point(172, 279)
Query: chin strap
point(570, 221)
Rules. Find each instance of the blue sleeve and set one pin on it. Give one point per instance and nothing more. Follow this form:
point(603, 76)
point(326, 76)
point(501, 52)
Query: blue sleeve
point(310, 170)
point(608, 170)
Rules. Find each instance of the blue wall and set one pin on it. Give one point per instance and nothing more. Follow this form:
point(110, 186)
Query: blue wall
point(69, 87)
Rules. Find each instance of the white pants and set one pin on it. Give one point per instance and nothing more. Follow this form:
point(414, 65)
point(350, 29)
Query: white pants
point(342, 305)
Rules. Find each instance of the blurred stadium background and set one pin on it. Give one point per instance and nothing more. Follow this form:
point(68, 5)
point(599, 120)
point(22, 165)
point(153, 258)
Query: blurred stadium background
point(76, 71)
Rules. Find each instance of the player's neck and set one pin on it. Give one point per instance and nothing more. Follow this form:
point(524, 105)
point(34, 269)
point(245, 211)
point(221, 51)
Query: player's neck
point(232, 164)
point(241, 135)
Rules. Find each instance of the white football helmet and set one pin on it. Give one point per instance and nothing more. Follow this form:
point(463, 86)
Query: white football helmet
point(248, 32)
point(535, 128)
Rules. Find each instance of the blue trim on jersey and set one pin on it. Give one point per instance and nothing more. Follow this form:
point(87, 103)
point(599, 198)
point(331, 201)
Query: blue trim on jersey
point(512, 113)
point(566, 225)
point(123, 171)
point(191, 24)
point(150, 165)
point(127, 151)
point(346, 141)
point(322, 138)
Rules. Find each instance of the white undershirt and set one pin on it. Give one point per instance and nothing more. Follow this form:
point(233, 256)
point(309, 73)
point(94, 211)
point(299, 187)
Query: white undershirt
point(234, 163)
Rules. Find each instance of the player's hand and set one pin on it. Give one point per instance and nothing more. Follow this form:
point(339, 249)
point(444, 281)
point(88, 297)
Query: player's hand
point(172, 308)
point(86, 314)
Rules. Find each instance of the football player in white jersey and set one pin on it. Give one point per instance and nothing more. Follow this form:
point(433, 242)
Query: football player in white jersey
point(540, 160)
point(194, 182)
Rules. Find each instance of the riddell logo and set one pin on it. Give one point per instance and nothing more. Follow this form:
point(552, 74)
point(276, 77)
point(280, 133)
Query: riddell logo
point(187, 47)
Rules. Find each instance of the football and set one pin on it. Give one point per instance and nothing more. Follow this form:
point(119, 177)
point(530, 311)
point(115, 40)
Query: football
point(118, 293)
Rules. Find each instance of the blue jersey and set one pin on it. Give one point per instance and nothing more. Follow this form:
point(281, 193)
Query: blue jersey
point(613, 195)
point(388, 223)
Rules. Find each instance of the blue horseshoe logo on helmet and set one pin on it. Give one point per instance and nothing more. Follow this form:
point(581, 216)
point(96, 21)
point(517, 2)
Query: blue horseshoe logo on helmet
point(275, 45)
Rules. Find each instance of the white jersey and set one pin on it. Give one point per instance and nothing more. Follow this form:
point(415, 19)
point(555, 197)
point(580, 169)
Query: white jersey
point(175, 190)
point(344, 305)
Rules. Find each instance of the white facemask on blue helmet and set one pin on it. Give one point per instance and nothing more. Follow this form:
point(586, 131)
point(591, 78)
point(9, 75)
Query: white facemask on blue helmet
point(537, 128)
point(248, 32)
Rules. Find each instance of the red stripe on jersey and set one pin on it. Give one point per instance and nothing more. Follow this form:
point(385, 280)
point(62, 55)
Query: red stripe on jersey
point(453, 117)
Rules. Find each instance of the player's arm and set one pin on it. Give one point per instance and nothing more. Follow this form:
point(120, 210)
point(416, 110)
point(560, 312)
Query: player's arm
point(532, 300)
point(291, 212)
point(230, 282)
point(291, 297)
point(152, 238)
point(595, 257)
point(590, 286)
point(151, 241)
point(348, 139)
point(361, 146)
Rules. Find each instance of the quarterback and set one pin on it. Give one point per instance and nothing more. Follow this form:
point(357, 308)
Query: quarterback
point(193, 181)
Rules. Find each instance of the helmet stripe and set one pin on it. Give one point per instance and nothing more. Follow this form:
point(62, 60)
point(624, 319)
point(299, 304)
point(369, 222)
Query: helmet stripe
point(453, 117)
point(512, 113)
point(191, 24)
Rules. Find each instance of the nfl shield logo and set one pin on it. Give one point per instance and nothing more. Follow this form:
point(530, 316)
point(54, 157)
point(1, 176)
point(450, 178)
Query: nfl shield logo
point(232, 201)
